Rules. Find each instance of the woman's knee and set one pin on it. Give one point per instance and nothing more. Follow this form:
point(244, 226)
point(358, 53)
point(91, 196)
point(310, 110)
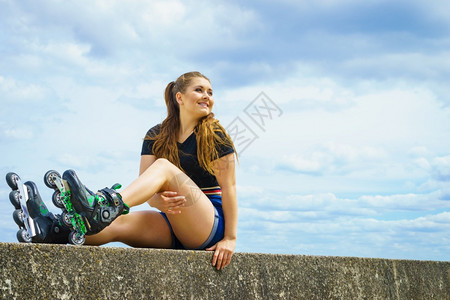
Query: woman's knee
point(165, 165)
point(168, 169)
point(163, 162)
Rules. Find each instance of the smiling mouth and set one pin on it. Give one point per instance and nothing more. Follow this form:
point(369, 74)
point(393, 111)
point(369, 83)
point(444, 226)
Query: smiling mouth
point(203, 104)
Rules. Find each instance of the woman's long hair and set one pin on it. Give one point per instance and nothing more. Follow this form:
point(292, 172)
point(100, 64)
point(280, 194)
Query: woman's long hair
point(209, 133)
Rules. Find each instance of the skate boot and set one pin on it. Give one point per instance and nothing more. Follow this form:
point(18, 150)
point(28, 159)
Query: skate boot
point(61, 198)
point(36, 223)
point(96, 210)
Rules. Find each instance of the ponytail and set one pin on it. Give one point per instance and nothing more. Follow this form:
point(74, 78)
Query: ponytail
point(171, 102)
point(165, 145)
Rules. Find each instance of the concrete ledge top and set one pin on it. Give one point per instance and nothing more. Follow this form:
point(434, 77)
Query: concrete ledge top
point(71, 272)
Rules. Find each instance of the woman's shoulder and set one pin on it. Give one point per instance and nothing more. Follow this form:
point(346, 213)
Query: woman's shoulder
point(154, 131)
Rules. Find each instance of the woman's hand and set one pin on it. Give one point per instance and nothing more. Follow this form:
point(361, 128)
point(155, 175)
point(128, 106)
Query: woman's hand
point(223, 251)
point(168, 202)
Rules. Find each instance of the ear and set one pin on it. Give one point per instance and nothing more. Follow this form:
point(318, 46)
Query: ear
point(179, 98)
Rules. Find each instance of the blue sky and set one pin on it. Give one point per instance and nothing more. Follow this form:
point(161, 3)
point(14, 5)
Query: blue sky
point(344, 107)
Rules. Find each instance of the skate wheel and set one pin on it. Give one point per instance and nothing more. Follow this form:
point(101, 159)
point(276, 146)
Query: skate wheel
point(50, 177)
point(76, 238)
point(66, 219)
point(62, 223)
point(23, 236)
point(14, 197)
point(19, 217)
point(56, 199)
point(11, 180)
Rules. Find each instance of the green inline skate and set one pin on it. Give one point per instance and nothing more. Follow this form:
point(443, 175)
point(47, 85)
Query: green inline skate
point(84, 212)
point(61, 198)
point(97, 210)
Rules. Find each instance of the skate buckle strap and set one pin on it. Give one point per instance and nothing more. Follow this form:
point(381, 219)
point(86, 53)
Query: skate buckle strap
point(114, 198)
point(111, 196)
point(117, 199)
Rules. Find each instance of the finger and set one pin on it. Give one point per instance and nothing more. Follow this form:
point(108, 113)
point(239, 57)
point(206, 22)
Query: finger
point(211, 248)
point(169, 193)
point(228, 260)
point(178, 200)
point(225, 261)
point(176, 205)
point(172, 201)
point(215, 257)
point(173, 211)
point(220, 261)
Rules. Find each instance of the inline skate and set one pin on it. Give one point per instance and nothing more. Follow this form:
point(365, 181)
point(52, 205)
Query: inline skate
point(97, 210)
point(61, 198)
point(36, 223)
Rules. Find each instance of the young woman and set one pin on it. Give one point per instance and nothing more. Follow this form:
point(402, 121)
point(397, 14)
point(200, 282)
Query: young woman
point(187, 172)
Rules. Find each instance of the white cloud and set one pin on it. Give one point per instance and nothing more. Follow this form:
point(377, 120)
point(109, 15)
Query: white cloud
point(419, 151)
point(441, 168)
point(354, 236)
point(329, 206)
point(427, 66)
point(12, 90)
point(333, 158)
point(388, 134)
point(299, 90)
point(406, 202)
point(111, 28)
point(18, 133)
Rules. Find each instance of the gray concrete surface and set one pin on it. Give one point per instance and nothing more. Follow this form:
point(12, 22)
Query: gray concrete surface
point(37, 271)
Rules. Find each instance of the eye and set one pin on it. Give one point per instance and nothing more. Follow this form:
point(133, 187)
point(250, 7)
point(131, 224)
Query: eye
point(210, 92)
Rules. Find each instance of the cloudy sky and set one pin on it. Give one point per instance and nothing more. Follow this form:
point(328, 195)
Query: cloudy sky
point(339, 110)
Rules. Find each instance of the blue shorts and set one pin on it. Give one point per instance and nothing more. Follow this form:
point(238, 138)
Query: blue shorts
point(217, 231)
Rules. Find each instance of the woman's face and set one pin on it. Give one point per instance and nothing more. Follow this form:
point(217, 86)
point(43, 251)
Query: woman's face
point(197, 100)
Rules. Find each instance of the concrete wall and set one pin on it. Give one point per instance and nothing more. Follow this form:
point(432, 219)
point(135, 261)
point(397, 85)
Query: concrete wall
point(37, 271)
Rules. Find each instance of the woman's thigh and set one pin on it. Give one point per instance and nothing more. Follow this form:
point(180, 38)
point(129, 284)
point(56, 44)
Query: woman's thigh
point(194, 224)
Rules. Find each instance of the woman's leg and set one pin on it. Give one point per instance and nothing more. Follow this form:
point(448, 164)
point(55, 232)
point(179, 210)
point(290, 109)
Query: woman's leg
point(194, 224)
point(138, 229)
